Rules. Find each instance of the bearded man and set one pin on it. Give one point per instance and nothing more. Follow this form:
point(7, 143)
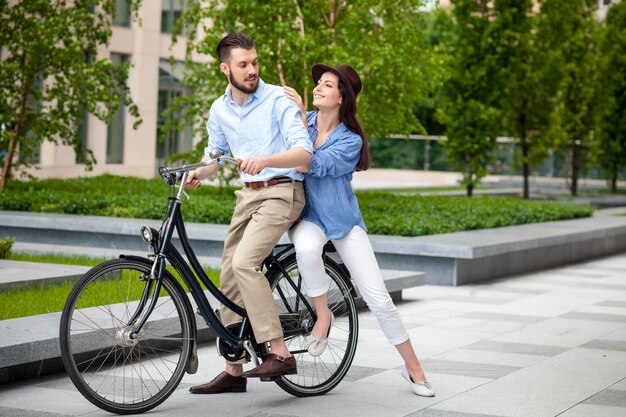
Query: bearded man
point(258, 124)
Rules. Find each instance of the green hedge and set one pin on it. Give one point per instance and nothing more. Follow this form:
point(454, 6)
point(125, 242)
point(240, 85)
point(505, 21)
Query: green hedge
point(390, 214)
point(384, 212)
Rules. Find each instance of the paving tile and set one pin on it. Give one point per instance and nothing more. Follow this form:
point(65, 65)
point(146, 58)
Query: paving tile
point(384, 394)
point(584, 272)
point(18, 412)
point(516, 289)
point(611, 398)
point(603, 309)
point(518, 348)
point(550, 304)
point(604, 344)
point(359, 372)
point(588, 410)
point(607, 286)
point(612, 303)
point(478, 370)
point(621, 385)
point(433, 412)
point(490, 327)
point(561, 332)
point(516, 318)
point(514, 351)
point(41, 400)
point(547, 388)
point(619, 335)
point(580, 315)
point(431, 340)
point(472, 299)
point(490, 357)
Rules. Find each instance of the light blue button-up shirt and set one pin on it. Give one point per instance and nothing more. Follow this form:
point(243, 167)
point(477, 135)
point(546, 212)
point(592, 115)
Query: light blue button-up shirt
point(267, 123)
point(330, 200)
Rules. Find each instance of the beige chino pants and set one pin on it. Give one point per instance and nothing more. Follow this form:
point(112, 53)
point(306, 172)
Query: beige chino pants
point(261, 217)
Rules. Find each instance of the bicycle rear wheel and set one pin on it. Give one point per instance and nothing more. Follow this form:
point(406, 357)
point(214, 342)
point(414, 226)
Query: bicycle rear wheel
point(316, 375)
point(117, 373)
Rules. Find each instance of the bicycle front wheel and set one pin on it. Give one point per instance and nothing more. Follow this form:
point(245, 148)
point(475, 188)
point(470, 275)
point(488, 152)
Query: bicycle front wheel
point(114, 371)
point(316, 375)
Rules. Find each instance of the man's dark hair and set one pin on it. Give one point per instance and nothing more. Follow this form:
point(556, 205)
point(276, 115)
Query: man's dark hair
point(233, 40)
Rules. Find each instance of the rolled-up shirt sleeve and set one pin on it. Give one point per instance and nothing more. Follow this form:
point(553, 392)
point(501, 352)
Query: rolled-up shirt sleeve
point(217, 138)
point(291, 126)
point(338, 159)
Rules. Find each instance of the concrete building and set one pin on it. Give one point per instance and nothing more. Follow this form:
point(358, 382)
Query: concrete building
point(153, 82)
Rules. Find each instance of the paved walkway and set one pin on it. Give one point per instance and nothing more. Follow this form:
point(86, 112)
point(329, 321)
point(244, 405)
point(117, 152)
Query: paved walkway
point(545, 344)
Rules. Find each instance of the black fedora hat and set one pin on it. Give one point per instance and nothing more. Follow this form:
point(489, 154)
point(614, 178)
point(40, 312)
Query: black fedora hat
point(346, 74)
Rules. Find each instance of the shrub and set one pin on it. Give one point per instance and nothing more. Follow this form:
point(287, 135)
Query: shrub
point(388, 213)
point(5, 247)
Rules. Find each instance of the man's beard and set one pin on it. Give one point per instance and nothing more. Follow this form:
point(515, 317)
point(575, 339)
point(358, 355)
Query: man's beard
point(243, 88)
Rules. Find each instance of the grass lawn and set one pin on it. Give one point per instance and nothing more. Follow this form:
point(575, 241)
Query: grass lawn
point(42, 298)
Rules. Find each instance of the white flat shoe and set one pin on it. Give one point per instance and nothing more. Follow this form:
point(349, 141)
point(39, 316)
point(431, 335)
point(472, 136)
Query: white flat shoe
point(317, 345)
point(422, 389)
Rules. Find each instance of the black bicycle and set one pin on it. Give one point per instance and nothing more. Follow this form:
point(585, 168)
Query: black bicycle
point(128, 329)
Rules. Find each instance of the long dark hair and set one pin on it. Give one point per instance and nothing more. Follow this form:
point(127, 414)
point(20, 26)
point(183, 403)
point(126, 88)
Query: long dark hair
point(347, 115)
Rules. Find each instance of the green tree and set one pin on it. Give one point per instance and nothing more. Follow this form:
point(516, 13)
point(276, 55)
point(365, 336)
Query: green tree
point(469, 96)
point(610, 134)
point(51, 77)
point(381, 40)
point(573, 29)
point(527, 79)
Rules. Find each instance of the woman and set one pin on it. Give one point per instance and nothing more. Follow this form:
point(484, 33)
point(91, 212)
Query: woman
point(332, 212)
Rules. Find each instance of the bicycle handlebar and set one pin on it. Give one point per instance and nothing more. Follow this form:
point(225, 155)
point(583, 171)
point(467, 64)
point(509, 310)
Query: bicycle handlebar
point(172, 174)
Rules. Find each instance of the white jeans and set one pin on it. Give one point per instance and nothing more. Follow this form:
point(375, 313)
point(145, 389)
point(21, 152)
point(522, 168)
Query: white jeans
point(357, 254)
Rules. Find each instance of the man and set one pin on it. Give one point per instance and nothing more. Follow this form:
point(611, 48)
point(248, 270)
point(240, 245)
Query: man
point(259, 125)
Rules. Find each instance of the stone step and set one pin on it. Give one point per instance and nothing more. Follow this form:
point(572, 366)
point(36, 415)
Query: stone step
point(30, 345)
point(447, 259)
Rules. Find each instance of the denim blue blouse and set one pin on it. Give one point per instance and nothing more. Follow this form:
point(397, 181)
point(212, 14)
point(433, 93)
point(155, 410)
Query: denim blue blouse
point(330, 200)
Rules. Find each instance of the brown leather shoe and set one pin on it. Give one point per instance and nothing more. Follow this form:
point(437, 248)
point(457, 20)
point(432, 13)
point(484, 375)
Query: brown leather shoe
point(273, 366)
point(224, 382)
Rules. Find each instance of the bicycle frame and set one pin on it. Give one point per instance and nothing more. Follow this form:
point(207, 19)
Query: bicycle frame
point(193, 274)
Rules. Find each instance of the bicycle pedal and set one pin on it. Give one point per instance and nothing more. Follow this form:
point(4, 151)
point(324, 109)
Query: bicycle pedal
point(269, 379)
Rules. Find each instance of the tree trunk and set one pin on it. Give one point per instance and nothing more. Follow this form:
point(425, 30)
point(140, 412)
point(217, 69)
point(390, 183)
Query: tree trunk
point(6, 169)
point(525, 168)
point(614, 184)
point(575, 168)
point(469, 190)
point(18, 129)
point(305, 96)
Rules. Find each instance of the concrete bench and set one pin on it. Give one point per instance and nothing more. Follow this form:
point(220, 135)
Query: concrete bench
point(448, 259)
point(483, 255)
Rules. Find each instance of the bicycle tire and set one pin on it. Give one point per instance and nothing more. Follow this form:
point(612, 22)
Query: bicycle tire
point(114, 372)
point(317, 375)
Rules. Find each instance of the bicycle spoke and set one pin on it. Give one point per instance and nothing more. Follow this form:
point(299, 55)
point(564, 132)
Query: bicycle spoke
point(113, 370)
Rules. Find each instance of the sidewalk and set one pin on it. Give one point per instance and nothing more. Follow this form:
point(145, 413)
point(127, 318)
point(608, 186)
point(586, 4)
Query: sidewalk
point(546, 344)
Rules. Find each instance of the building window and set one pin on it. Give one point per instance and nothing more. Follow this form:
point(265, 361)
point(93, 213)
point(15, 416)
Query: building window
point(170, 141)
point(115, 132)
point(121, 17)
point(170, 13)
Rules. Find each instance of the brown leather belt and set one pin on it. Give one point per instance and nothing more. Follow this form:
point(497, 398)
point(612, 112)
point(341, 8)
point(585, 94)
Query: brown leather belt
point(269, 183)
